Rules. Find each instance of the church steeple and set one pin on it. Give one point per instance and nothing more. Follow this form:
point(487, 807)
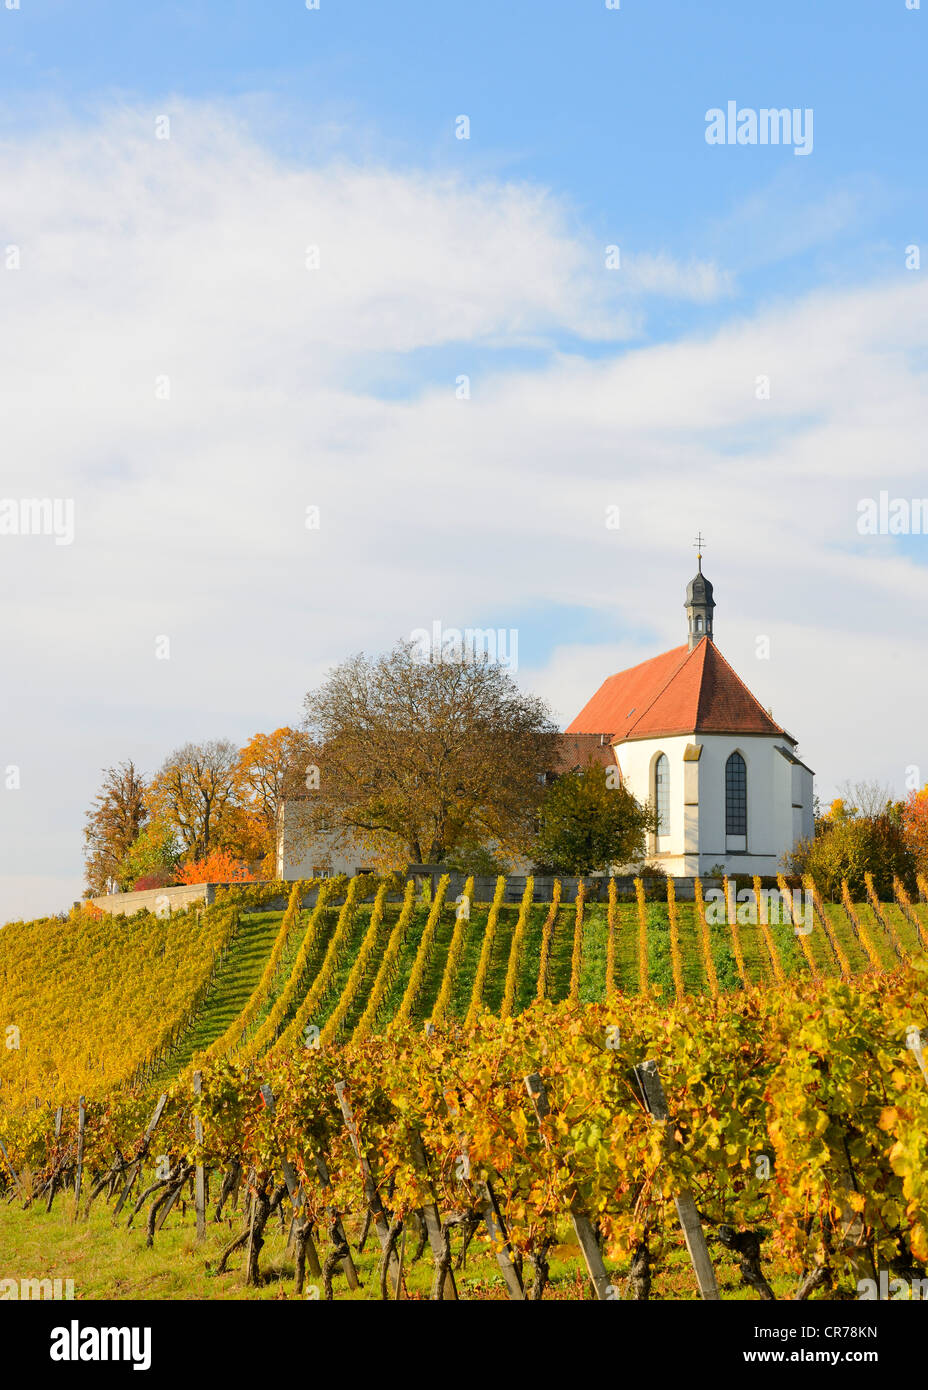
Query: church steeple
point(699, 602)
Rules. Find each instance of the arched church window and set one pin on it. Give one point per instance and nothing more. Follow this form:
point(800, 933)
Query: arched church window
point(699, 624)
point(662, 794)
point(736, 796)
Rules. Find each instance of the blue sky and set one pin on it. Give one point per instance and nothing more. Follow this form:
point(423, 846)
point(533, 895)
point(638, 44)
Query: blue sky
point(590, 388)
point(606, 107)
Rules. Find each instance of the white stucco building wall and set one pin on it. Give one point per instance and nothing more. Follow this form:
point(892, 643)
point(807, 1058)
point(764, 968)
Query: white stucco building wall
point(779, 800)
point(301, 855)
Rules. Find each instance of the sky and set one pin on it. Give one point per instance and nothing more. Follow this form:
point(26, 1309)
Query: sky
point(470, 281)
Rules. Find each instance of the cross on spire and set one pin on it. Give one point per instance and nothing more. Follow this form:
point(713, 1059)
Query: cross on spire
point(698, 545)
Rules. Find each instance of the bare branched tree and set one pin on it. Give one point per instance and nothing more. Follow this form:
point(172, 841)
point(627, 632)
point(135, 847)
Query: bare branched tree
point(865, 798)
point(114, 820)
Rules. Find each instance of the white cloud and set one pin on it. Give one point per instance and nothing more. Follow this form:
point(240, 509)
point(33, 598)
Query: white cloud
point(701, 281)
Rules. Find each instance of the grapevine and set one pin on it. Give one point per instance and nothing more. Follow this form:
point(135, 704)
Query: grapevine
point(576, 960)
point(547, 934)
point(455, 951)
point(483, 965)
point(516, 949)
point(422, 958)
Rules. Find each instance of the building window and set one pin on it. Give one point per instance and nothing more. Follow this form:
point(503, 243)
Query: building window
point(699, 624)
point(736, 796)
point(662, 794)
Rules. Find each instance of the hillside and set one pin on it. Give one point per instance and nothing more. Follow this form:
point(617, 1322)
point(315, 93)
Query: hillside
point(88, 1000)
point(98, 1001)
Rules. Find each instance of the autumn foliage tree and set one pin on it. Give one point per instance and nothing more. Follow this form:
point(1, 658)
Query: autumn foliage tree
point(219, 866)
point(271, 768)
point(848, 844)
point(151, 860)
point(424, 755)
point(195, 792)
point(113, 823)
point(915, 821)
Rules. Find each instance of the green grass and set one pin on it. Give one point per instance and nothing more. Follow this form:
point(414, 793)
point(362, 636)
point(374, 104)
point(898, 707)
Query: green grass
point(111, 1262)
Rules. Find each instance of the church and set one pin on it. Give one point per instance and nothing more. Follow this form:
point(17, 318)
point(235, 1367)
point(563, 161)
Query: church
point(687, 735)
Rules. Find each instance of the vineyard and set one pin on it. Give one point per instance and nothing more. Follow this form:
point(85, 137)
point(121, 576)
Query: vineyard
point(359, 1095)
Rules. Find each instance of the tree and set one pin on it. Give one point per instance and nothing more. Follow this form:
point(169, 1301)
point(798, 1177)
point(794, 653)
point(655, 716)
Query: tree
point(915, 821)
point(423, 755)
point(865, 798)
point(587, 824)
point(151, 860)
point(848, 845)
point(271, 768)
point(219, 866)
point(194, 792)
point(114, 821)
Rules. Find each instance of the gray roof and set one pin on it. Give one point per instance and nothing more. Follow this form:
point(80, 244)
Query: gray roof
point(699, 590)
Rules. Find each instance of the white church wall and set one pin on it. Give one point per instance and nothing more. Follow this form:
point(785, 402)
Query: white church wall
point(802, 803)
point(784, 786)
point(697, 839)
point(636, 762)
point(769, 804)
point(808, 803)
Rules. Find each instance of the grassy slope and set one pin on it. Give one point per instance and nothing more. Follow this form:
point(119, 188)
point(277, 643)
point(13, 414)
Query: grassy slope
point(236, 981)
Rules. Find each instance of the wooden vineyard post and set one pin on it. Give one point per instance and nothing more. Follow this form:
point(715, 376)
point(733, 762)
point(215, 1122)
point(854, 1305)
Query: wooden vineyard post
point(652, 1091)
point(371, 1195)
point(496, 1226)
point(583, 1227)
point(136, 1166)
point(56, 1173)
point(253, 1208)
point(917, 1041)
point(432, 1219)
point(165, 1211)
point(348, 1265)
point(199, 1182)
point(6, 1159)
point(81, 1123)
point(496, 1229)
point(293, 1187)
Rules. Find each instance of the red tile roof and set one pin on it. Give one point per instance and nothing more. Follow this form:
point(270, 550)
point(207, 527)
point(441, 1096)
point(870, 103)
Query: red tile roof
point(678, 692)
point(572, 751)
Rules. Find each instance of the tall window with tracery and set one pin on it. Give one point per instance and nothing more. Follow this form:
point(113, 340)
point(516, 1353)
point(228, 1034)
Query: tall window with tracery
point(736, 796)
point(662, 794)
